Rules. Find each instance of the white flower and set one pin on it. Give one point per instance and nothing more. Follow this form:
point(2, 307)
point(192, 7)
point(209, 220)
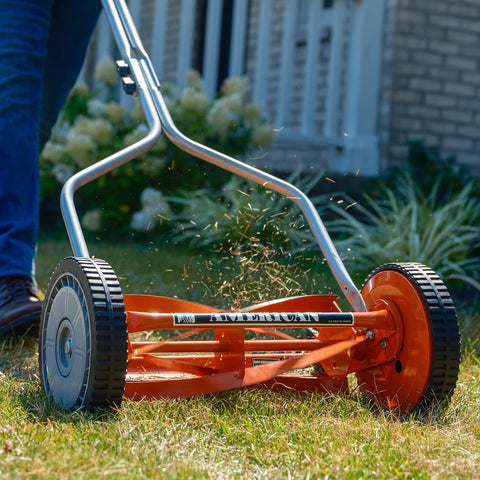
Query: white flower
point(141, 130)
point(63, 172)
point(81, 126)
point(194, 100)
point(262, 135)
point(236, 85)
point(106, 72)
point(154, 205)
point(53, 152)
point(142, 221)
point(96, 108)
point(194, 79)
point(218, 118)
point(251, 114)
point(153, 200)
point(92, 220)
point(99, 129)
point(150, 197)
point(233, 102)
point(138, 134)
point(81, 148)
point(115, 111)
point(80, 89)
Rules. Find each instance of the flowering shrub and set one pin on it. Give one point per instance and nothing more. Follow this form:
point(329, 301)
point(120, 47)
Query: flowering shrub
point(93, 125)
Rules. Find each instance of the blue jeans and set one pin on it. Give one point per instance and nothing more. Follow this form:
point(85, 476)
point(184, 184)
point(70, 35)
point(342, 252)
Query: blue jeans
point(42, 48)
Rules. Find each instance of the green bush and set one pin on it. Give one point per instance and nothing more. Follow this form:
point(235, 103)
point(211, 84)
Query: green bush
point(428, 167)
point(242, 213)
point(92, 126)
point(404, 224)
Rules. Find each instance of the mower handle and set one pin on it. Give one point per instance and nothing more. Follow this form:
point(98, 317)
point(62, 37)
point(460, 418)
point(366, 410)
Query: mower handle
point(148, 89)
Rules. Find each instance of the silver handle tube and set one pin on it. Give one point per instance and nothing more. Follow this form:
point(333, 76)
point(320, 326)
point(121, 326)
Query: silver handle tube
point(130, 44)
point(288, 190)
point(69, 213)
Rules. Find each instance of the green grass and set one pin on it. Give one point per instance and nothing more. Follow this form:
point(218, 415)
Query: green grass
point(243, 434)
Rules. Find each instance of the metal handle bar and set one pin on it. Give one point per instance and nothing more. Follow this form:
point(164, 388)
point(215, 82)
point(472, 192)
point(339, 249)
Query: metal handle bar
point(156, 111)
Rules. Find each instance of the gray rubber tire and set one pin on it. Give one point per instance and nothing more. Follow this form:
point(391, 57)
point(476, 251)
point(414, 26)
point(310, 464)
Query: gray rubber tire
point(83, 339)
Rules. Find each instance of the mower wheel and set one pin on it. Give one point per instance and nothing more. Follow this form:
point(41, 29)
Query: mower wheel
point(425, 371)
point(83, 344)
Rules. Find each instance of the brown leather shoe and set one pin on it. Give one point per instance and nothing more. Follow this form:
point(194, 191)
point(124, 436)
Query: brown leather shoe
point(19, 305)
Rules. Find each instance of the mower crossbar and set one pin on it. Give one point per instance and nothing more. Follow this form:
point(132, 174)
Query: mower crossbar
point(231, 359)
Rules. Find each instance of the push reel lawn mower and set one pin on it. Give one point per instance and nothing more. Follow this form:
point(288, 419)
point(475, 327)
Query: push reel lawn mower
point(400, 339)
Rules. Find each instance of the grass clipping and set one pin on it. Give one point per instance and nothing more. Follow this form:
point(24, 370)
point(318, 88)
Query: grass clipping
point(259, 274)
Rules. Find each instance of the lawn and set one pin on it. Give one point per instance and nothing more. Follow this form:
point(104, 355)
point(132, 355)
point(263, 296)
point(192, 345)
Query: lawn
point(241, 434)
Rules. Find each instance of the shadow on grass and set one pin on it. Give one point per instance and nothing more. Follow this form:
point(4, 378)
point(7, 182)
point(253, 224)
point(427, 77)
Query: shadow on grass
point(19, 377)
point(40, 409)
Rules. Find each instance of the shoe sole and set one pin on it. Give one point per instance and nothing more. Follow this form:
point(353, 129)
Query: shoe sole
point(21, 322)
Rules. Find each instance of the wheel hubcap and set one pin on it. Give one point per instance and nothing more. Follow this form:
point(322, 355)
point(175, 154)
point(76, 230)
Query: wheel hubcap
point(64, 346)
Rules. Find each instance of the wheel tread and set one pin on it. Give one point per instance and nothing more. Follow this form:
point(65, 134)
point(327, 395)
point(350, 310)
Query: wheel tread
point(111, 335)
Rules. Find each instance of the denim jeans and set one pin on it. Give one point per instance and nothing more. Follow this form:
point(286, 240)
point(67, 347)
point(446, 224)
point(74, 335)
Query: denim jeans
point(42, 48)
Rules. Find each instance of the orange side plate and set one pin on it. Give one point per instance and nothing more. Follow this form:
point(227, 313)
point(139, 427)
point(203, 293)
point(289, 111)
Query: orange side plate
point(401, 382)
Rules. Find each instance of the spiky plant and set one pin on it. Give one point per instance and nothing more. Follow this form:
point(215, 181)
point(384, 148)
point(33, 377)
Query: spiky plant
point(403, 224)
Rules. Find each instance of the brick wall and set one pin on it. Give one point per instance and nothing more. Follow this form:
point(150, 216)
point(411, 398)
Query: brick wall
point(431, 79)
point(172, 35)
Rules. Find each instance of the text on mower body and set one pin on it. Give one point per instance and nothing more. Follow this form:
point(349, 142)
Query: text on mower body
point(263, 318)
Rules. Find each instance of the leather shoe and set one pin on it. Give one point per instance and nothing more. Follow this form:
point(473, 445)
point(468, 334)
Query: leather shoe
point(19, 305)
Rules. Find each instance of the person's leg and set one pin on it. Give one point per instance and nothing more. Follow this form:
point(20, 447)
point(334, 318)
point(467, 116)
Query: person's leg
point(24, 29)
point(73, 22)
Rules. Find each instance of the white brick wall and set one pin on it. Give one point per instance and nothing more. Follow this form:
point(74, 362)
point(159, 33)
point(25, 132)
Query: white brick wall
point(433, 66)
